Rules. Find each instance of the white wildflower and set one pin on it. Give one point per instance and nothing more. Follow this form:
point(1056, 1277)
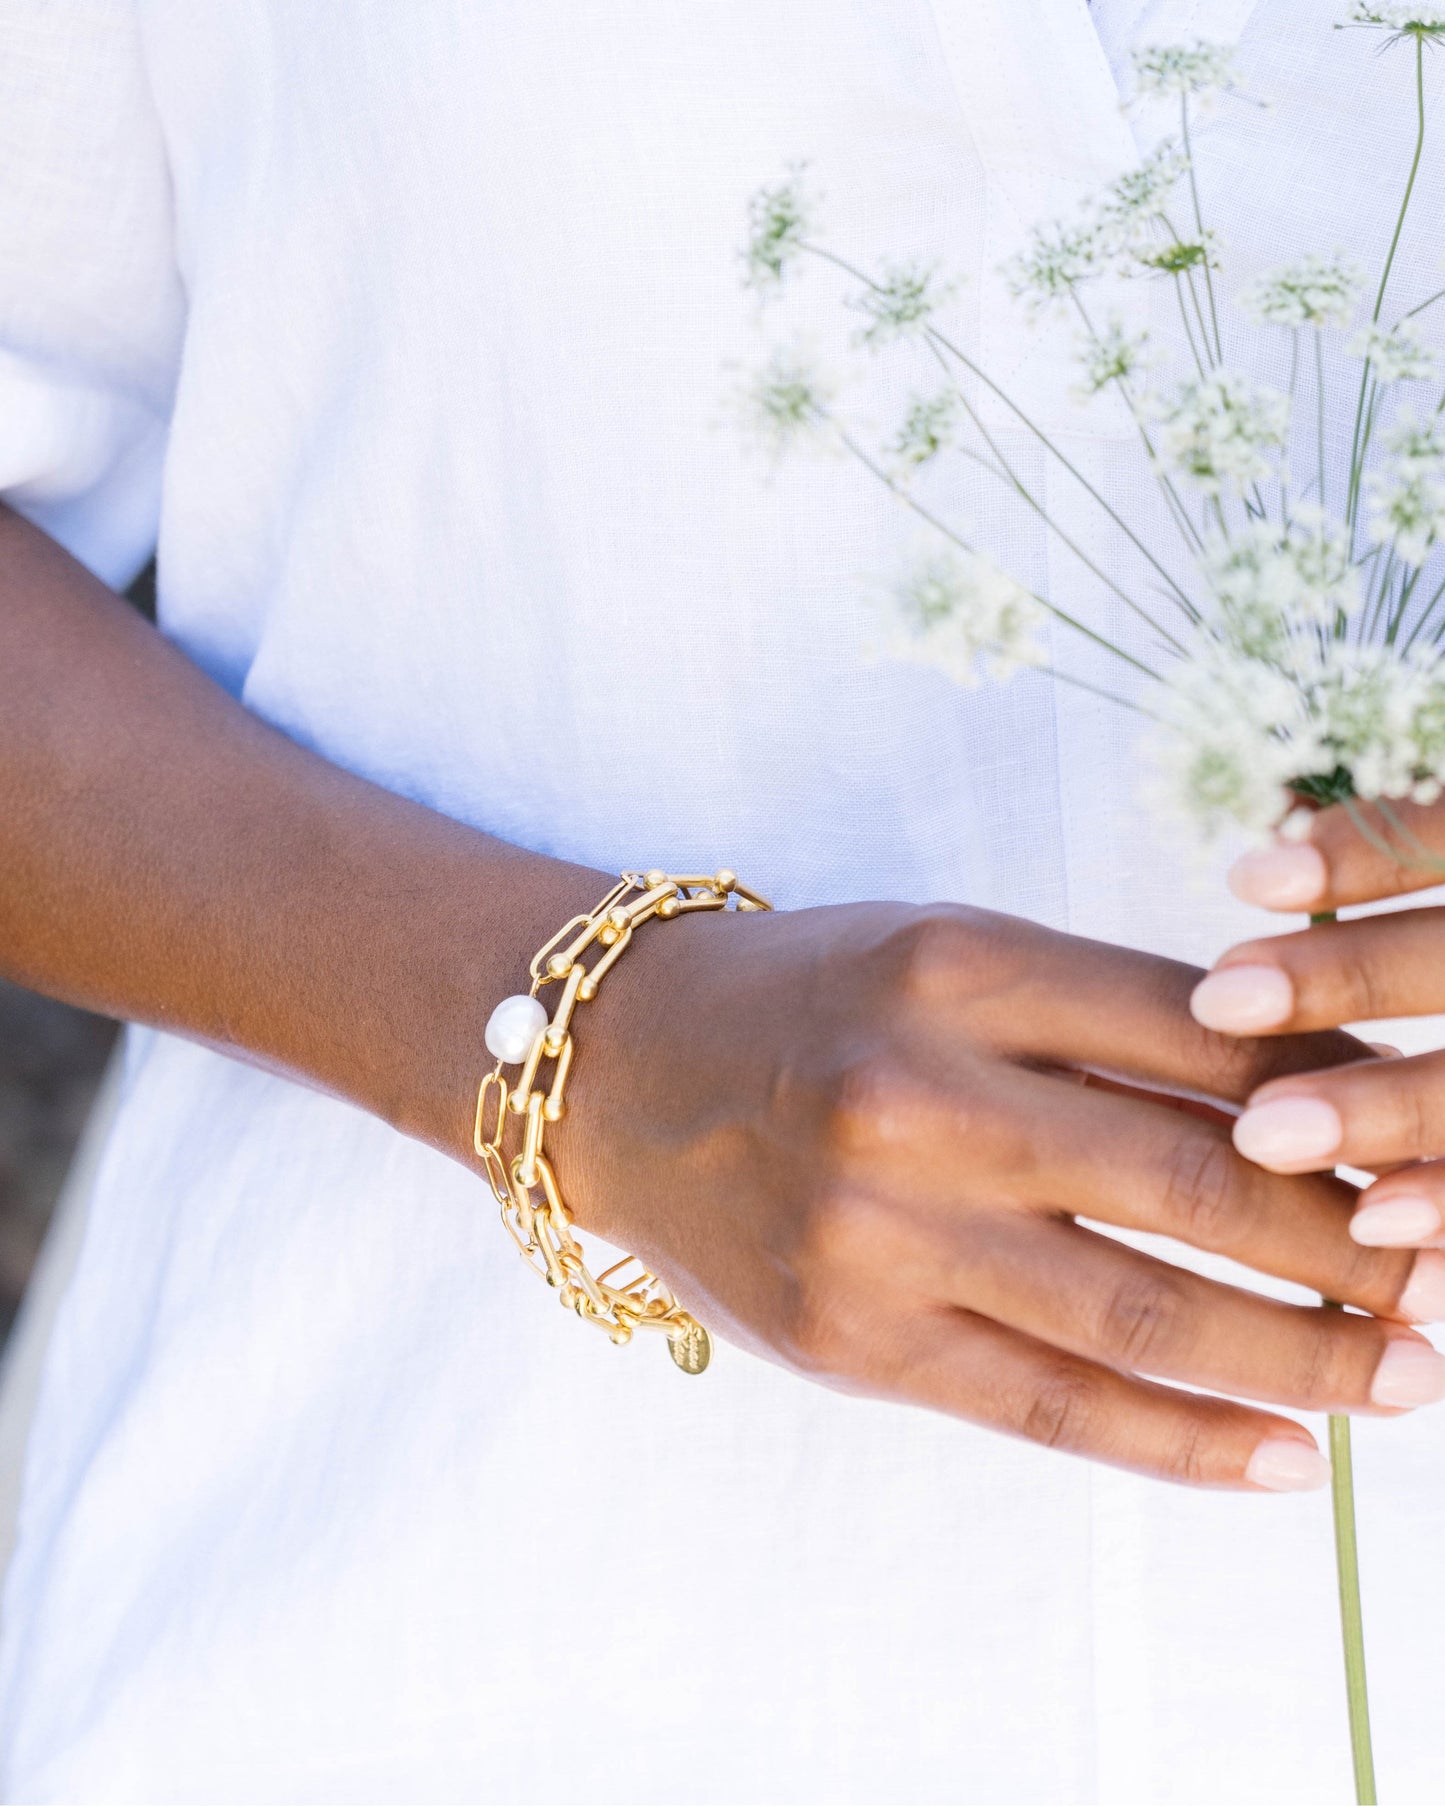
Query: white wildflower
point(1274, 586)
point(787, 399)
point(1407, 493)
point(1193, 67)
point(1398, 355)
point(1114, 355)
point(961, 614)
point(1315, 291)
point(1234, 735)
point(779, 218)
point(902, 301)
point(1220, 430)
point(1411, 18)
point(1381, 717)
point(1143, 193)
point(928, 428)
point(1056, 259)
point(1117, 229)
point(1171, 256)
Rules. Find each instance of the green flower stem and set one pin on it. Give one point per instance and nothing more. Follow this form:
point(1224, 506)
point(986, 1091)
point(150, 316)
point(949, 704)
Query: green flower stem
point(1357, 448)
point(1199, 223)
point(1347, 1568)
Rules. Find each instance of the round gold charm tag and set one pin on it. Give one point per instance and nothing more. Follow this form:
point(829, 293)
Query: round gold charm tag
point(691, 1348)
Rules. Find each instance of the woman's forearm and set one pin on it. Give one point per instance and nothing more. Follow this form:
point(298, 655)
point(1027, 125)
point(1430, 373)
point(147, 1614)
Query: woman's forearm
point(171, 859)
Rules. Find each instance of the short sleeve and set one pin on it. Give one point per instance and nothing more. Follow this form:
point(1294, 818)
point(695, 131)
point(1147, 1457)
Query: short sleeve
point(91, 305)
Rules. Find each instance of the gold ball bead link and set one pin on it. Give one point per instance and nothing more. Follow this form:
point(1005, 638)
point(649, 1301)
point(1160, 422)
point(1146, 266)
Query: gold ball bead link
point(725, 881)
point(653, 878)
point(559, 965)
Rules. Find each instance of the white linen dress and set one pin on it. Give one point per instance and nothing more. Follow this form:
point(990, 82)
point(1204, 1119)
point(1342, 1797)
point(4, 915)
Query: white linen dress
point(403, 329)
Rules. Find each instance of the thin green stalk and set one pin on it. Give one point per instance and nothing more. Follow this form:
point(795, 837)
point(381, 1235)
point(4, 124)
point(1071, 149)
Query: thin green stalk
point(1320, 411)
point(1180, 514)
point(1428, 302)
point(851, 445)
point(1022, 490)
point(1347, 1571)
point(1178, 282)
point(1352, 1628)
point(1414, 172)
point(1425, 615)
point(1422, 857)
point(1284, 515)
point(1356, 457)
point(1199, 223)
point(1402, 602)
point(936, 338)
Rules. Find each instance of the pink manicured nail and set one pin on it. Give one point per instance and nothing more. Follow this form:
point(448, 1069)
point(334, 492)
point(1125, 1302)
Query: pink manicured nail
point(1280, 877)
point(1404, 1221)
point(1241, 1000)
point(1423, 1299)
point(1409, 1374)
point(1289, 1131)
point(1284, 1464)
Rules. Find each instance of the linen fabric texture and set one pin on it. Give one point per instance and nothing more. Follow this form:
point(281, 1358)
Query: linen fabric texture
point(403, 331)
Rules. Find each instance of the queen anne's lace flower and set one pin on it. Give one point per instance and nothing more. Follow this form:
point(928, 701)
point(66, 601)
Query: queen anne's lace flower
point(902, 301)
point(928, 428)
point(1380, 718)
point(963, 615)
point(1407, 493)
point(1234, 736)
point(1412, 18)
point(1398, 355)
point(1274, 586)
point(1143, 193)
point(779, 219)
point(1170, 256)
point(1194, 67)
point(786, 400)
point(1056, 258)
point(1315, 291)
point(1115, 355)
point(1221, 430)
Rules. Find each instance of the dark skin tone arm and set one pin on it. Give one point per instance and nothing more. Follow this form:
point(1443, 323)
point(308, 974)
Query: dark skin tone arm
point(854, 1138)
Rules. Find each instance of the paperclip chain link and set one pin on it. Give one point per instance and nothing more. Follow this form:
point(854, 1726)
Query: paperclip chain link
point(627, 1297)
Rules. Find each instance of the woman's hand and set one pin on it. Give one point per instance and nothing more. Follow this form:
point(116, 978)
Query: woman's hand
point(845, 1136)
point(843, 1133)
point(1386, 1116)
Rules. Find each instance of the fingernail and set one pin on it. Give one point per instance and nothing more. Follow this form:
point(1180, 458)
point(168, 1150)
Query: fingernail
point(1284, 1464)
point(1403, 1221)
point(1287, 1131)
point(1240, 1000)
point(1423, 1299)
point(1387, 1050)
point(1279, 877)
point(1409, 1374)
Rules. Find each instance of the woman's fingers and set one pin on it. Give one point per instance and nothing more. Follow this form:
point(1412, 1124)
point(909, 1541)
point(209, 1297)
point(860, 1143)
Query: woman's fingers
point(1404, 1210)
point(1336, 972)
point(1351, 855)
point(1050, 1146)
point(1107, 1302)
point(1378, 1114)
point(989, 1374)
point(1052, 999)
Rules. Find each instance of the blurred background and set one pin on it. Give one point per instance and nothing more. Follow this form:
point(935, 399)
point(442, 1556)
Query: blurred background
point(51, 1062)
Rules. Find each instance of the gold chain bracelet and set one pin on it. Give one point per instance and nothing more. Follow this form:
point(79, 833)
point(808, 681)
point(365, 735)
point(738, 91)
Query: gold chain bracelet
point(627, 1296)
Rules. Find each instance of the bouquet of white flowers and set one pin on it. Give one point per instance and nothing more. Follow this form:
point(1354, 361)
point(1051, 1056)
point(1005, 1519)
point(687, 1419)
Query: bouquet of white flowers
point(1288, 639)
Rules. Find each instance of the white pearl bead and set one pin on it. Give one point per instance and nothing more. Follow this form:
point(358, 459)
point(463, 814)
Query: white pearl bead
point(512, 1028)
